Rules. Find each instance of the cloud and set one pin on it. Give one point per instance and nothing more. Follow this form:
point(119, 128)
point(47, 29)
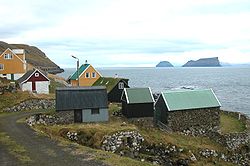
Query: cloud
point(127, 32)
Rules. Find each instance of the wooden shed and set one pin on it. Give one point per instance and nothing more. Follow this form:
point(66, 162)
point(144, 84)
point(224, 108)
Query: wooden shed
point(183, 109)
point(115, 87)
point(35, 81)
point(89, 104)
point(137, 102)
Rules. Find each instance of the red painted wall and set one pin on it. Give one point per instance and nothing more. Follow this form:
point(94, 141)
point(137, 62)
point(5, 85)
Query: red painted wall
point(40, 78)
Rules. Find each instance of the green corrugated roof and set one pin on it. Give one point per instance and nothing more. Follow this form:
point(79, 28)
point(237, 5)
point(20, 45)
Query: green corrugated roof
point(109, 82)
point(139, 95)
point(190, 99)
point(81, 69)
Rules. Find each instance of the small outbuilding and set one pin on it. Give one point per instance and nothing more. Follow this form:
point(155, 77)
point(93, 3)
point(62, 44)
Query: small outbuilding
point(35, 81)
point(137, 102)
point(182, 110)
point(115, 87)
point(83, 104)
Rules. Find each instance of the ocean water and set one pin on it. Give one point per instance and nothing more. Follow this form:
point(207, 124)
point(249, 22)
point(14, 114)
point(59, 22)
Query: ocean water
point(230, 84)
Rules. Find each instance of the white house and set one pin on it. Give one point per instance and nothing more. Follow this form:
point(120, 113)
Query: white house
point(35, 81)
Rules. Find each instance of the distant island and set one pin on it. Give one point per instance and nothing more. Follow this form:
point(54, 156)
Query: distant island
point(204, 62)
point(164, 64)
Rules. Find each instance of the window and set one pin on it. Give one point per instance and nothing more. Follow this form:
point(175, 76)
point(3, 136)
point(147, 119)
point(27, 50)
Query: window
point(93, 75)
point(7, 56)
point(36, 74)
point(121, 85)
point(87, 75)
point(1, 66)
point(95, 111)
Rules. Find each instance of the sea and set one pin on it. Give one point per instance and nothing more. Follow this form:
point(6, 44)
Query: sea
point(230, 84)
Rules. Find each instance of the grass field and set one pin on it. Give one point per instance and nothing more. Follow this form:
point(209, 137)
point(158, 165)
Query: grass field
point(230, 124)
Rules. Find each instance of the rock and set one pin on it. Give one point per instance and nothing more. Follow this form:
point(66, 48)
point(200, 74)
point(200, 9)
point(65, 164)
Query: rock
point(32, 104)
point(204, 62)
point(164, 64)
point(193, 158)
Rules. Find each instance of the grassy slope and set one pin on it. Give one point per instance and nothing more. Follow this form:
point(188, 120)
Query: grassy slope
point(53, 85)
point(11, 99)
point(97, 130)
point(230, 124)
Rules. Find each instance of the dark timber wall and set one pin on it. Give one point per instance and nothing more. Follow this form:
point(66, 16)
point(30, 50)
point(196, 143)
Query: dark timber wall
point(115, 94)
point(137, 110)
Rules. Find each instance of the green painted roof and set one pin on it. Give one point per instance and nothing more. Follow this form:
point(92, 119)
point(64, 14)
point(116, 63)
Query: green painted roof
point(109, 82)
point(81, 69)
point(190, 99)
point(139, 95)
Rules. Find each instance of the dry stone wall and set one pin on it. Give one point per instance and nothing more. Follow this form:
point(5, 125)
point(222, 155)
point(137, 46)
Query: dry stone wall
point(200, 119)
point(32, 104)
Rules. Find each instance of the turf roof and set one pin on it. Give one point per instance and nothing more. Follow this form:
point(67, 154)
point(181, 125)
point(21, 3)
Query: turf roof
point(109, 82)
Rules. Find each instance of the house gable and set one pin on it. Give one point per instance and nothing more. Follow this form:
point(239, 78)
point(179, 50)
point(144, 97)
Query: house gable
point(13, 64)
point(88, 75)
point(33, 75)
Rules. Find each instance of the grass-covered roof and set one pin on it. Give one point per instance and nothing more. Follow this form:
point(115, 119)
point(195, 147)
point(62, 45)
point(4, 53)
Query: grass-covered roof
point(109, 82)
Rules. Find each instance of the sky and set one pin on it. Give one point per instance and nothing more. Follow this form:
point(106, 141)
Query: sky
point(123, 33)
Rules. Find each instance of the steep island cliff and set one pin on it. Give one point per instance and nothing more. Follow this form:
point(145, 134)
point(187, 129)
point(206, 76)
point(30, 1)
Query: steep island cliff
point(204, 62)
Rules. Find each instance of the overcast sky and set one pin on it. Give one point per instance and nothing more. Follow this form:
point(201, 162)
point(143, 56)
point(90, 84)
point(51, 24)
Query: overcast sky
point(130, 32)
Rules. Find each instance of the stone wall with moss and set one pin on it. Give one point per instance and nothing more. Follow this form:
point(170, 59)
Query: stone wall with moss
point(200, 119)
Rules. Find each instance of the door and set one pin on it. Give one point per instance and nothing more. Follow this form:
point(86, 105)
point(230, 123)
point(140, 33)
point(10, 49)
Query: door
point(12, 77)
point(33, 86)
point(78, 116)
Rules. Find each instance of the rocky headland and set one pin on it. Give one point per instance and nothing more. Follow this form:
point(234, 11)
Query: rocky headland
point(204, 62)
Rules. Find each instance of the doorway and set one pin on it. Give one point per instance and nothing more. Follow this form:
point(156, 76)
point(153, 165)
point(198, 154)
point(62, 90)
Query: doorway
point(78, 116)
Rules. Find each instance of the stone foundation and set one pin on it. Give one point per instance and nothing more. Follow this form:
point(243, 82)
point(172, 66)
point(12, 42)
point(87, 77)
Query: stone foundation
point(65, 117)
point(205, 119)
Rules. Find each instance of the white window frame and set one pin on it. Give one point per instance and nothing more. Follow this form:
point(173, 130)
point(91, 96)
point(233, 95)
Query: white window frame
point(86, 75)
point(36, 74)
point(2, 68)
point(8, 56)
point(121, 85)
point(93, 75)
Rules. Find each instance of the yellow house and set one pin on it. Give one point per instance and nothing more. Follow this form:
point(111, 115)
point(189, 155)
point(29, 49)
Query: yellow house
point(87, 76)
point(12, 63)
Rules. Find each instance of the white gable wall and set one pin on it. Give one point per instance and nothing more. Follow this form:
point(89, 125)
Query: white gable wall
point(42, 87)
point(26, 86)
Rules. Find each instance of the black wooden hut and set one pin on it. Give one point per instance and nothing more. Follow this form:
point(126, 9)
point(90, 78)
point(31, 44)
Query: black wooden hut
point(115, 87)
point(137, 102)
point(89, 104)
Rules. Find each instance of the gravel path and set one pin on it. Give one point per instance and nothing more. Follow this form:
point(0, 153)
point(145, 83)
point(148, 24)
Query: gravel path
point(41, 149)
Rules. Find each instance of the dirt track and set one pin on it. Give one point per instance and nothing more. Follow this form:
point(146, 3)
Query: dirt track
point(41, 149)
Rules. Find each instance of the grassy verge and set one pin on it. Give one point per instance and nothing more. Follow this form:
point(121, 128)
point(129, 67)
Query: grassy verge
point(11, 99)
point(106, 157)
point(230, 124)
point(16, 150)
